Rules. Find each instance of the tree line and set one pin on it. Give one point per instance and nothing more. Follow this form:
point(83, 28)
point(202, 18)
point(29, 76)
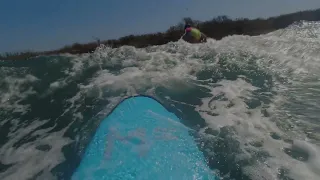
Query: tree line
point(216, 28)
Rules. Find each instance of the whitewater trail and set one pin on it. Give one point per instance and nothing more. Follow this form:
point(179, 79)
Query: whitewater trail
point(252, 100)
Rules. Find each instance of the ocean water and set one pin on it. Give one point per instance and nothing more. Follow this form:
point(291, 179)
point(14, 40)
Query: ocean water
point(254, 103)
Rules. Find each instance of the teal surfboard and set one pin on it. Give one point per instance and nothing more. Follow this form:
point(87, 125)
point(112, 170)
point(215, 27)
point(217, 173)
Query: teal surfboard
point(140, 139)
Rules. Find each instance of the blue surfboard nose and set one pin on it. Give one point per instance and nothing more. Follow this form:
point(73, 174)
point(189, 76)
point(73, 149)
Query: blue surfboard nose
point(141, 139)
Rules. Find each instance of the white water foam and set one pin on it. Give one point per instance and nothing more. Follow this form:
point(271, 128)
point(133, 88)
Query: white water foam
point(14, 93)
point(179, 62)
point(29, 159)
point(290, 56)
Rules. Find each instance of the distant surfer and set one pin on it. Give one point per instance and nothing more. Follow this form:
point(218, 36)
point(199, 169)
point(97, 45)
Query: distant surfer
point(193, 35)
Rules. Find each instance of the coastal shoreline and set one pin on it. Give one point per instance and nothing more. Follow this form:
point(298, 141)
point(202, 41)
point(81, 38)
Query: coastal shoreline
point(216, 28)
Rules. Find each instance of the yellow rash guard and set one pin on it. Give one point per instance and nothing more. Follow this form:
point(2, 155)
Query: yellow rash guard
point(194, 33)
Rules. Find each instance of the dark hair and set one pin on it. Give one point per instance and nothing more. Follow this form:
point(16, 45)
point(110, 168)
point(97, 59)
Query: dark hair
point(187, 26)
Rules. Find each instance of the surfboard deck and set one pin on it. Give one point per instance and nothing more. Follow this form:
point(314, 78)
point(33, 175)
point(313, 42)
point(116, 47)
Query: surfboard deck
point(140, 139)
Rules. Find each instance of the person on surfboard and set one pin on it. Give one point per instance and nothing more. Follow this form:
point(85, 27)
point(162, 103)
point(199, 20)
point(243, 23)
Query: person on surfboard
point(193, 35)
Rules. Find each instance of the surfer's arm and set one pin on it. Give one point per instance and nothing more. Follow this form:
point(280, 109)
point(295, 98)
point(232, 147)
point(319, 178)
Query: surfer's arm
point(187, 37)
point(203, 37)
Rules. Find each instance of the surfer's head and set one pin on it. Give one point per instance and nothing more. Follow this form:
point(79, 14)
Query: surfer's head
point(187, 26)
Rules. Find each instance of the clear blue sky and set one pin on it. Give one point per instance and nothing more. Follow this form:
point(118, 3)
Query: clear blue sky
point(51, 24)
